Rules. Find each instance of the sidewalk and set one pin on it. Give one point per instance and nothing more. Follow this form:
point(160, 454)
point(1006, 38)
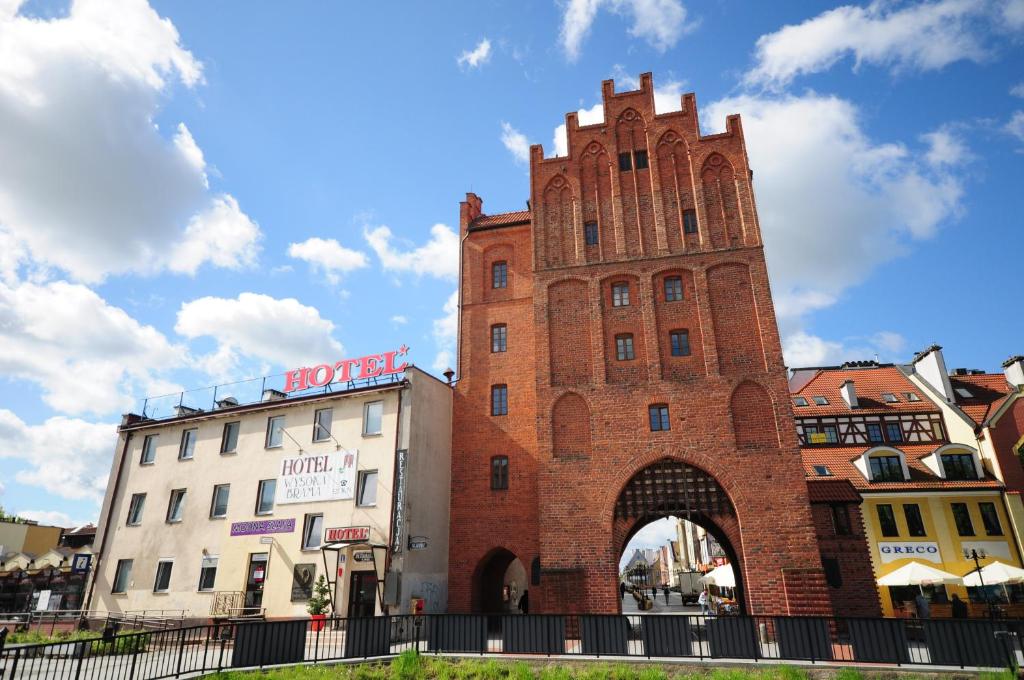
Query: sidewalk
point(675, 605)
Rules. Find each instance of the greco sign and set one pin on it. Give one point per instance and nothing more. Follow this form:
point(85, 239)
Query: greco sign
point(891, 551)
point(347, 535)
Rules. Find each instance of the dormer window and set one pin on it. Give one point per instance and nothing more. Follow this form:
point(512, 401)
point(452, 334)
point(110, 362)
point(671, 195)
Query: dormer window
point(822, 471)
point(911, 396)
point(889, 398)
point(820, 401)
point(964, 392)
point(886, 469)
point(800, 401)
point(958, 466)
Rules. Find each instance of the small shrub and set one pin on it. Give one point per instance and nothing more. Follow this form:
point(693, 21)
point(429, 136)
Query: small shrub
point(407, 666)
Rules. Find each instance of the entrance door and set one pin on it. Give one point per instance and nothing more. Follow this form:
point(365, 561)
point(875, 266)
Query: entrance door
point(362, 594)
point(256, 577)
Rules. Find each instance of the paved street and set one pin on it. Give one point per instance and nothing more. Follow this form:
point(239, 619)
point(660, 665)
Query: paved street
point(675, 605)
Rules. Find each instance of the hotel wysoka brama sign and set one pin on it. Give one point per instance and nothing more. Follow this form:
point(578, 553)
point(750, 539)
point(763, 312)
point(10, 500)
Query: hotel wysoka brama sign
point(319, 477)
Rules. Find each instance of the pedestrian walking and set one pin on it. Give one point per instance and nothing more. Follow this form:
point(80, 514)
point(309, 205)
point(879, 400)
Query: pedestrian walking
point(622, 591)
point(664, 589)
point(923, 608)
point(702, 600)
point(524, 602)
point(959, 607)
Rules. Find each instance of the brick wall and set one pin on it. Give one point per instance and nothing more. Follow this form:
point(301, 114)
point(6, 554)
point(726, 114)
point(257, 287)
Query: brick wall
point(858, 593)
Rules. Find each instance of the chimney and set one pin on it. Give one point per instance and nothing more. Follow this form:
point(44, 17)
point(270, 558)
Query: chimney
point(273, 395)
point(1014, 370)
point(929, 364)
point(849, 393)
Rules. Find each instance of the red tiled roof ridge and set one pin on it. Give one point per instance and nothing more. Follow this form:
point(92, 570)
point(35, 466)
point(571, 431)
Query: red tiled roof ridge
point(510, 217)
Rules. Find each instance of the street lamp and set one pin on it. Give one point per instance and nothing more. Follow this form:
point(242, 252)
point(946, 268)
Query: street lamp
point(973, 554)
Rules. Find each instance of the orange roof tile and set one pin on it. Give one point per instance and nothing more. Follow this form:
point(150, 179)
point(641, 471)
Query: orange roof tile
point(869, 384)
point(501, 219)
point(824, 490)
point(988, 391)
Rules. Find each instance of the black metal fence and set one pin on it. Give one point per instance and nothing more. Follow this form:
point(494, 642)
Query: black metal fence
point(172, 653)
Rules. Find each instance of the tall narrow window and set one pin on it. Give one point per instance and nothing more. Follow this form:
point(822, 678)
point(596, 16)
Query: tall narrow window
point(499, 275)
point(831, 434)
point(658, 414)
point(176, 505)
point(312, 530)
point(229, 438)
point(499, 473)
point(624, 347)
point(640, 156)
point(162, 582)
point(990, 518)
point(625, 161)
point(620, 294)
point(893, 432)
point(149, 449)
point(373, 418)
point(689, 221)
point(265, 496)
point(122, 576)
point(673, 288)
point(135, 508)
point(680, 342)
point(499, 400)
point(219, 502)
point(887, 520)
point(915, 523)
point(841, 520)
point(188, 444)
point(962, 518)
point(590, 233)
point(275, 432)
point(367, 488)
point(875, 433)
point(207, 574)
point(322, 420)
point(499, 337)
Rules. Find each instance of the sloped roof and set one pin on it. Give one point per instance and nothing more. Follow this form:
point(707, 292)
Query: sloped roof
point(988, 392)
point(869, 385)
point(825, 490)
point(501, 219)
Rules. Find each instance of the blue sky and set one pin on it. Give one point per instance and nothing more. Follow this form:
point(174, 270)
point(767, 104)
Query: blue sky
point(195, 193)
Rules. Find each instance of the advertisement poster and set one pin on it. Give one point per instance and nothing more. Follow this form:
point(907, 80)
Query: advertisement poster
point(317, 477)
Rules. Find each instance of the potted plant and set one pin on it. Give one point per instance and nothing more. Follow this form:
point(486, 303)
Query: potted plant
point(319, 602)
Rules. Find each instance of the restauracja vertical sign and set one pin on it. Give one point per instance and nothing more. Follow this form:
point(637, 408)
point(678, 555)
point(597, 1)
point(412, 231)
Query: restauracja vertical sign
point(319, 477)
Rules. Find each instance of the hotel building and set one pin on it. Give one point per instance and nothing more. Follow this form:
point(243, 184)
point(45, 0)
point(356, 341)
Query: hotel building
point(236, 510)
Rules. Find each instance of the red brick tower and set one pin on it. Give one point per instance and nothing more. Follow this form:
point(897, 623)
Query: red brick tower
point(642, 367)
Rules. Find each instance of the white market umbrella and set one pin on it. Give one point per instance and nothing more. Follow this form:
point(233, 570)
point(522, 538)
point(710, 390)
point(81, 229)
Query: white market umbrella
point(917, 574)
point(994, 574)
point(720, 576)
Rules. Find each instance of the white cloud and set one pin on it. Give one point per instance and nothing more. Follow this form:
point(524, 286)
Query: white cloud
point(1016, 125)
point(659, 22)
point(945, 148)
point(591, 116)
point(446, 331)
point(89, 184)
point(399, 320)
point(86, 355)
point(54, 518)
point(437, 257)
point(476, 57)
point(67, 457)
point(283, 332)
point(803, 349)
point(1018, 90)
point(328, 256)
point(222, 235)
point(1013, 14)
point(516, 142)
point(922, 36)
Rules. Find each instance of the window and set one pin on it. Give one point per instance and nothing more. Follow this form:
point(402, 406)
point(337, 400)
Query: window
point(219, 503)
point(499, 473)
point(831, 434)
point(889, 398)
point(841, 520)
point(275, 432)
point(886, 469)
point(312, 530)
point(887, 520)
point(188, 444)
point(229, 438)
point(659, 417)
point(373, 415)
point(624, 347)
point(911, 396)
point(689, 221)
point(499, 275)
point(673, 289)
point(990, 518)
point(822, 471)
point(122, 576)
point(833, 574)
point(265, 496)
point(962, 518)
point(875, 433)
point(800, 401)
point(620, 294)
point(964, 392)
point(322, 421)
point(499, 400)
point(207, 574)
point(590, 233)
point(163, 576)
point(820, 401)
point(641, 159)
point(499, 338)
point(149, 449)
point(680, 343)
point(937, 431)
point(959, 466)
point(893, 432)
point(176, 505)
point(135, 508)
point(915, 523)
point(367, 488)
point(625, 161)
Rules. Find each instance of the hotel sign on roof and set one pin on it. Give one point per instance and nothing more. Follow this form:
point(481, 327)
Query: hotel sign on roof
point(369, 366)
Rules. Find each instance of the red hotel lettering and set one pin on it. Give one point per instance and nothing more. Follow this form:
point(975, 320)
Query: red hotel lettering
point(369, 366)
point(296, 380)
point(315, 379)
point(389, 363)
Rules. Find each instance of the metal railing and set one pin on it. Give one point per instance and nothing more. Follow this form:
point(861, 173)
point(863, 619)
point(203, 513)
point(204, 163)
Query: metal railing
point(945, 643)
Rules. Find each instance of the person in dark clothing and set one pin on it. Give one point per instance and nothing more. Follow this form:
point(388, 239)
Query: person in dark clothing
point(959, 607)
point(622, 590)
point(664, 589)
point(924, 610)
point(524, 602)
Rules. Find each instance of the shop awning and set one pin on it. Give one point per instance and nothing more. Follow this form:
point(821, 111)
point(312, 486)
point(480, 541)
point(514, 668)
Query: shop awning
point(994, 574)
point(720, 576)
point(917, 574)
